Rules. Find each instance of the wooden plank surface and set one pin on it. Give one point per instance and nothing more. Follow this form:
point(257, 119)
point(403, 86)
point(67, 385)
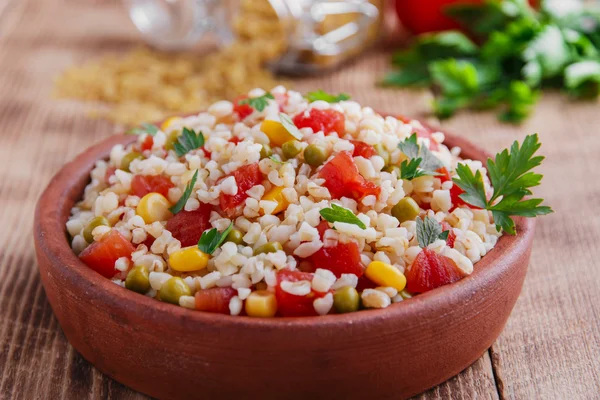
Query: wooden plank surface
point(550, 347)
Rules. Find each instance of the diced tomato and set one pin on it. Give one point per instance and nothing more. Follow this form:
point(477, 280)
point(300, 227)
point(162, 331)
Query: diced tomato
point(110, 171)
point(451, 235)
point(207, 153)
point(322, 227)
point(102, 255)
point(291, 305)
point(188, 226)
point(242, 110)
point(141, 185)
point(215, 300)
point(431, 270)
point(362, 149)
point(343, 179)
point(246, 177)
point(149, 241)
point(445, 175)
point(322, 120)
point(455, 192)
point(147, 143)
point(365, 283)
point(344, 258)
point(235, 140)
point(421, 132)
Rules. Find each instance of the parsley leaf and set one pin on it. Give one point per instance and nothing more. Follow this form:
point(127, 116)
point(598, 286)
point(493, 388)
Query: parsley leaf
point(428, 231)
point(188, 141)
point(258, 103)
point(144, 128)
point(427, 163)
point(341, 214)
point(328, 97)
point(511, 177)
point(211, 239)
point(185, 196)
point(289, 126)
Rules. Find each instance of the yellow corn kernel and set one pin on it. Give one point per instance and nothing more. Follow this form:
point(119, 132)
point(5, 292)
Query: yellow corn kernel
point(165, 125)
point(261, 303)
point(385, 275)
point(154, 207)
point(188, 259)
point(275, 194)
point(276, 132)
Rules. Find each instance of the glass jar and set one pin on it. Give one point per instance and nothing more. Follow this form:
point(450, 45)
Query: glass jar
point(304, 35)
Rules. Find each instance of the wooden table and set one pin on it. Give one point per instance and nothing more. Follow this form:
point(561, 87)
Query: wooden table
point(550, 347)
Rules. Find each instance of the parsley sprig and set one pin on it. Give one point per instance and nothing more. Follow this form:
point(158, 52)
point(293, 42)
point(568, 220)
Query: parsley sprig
point(258, 103)
point(511, 177)
point(328, 97)
point(150, 129)
point(185, 196)
point(429, 230)
point(212, 239)
point(420, 161)
point(341, 214)
point(188, 141)
point(505, 58)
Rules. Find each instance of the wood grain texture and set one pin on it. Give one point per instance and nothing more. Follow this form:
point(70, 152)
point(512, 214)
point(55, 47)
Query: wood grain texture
point(550, 347)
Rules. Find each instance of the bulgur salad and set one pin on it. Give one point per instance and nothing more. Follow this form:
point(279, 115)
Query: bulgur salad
point(277, 204)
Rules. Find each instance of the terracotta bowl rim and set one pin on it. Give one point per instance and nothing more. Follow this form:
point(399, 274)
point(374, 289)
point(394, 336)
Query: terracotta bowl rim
point(101, 289)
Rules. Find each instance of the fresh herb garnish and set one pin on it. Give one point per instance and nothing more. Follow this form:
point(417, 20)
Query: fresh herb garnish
point(212, 239)
point(188, 141)
point(328, 97)
point(516, 51)
point(274, 159)
point(511, 177)
point(420, 161)
point(429, 230)
point(289, 126)
point(258, 103)
point(341, 214)
point(185, 196)
point(143, 128)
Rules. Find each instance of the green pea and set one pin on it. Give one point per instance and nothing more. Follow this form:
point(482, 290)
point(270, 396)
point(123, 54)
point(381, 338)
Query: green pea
point(138, 279)
point(291, 149)
point(235, 236)
point(270, 247)
point(173, 289)
point(405, 294)
point(128, 158)
point(406, 210)
point(346, 300)
point(383, 153)
point(171, 140)
point(95, 222)
point(265, 151)
point(315, 155)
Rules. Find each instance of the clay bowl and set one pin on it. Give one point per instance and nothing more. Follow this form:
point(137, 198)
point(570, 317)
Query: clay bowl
point(171, 352)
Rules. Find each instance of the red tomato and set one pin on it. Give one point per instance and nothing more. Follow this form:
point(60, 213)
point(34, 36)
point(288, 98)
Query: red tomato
point(419, 16)
point(445, 175)
point(141, 185)
point(341, 259)
point(188, 226)
point(235, 140)
point(322, 120)
point(365, 283)
point(362, 149)
point(246, 177)
point(322, 227)
point(147, 143)
point(215, 300)
point(291, 305)
point(242, 110)
point(110, 171)
point(101, 255)
point(431, 270)
point(343, 180)
point(451, 235)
